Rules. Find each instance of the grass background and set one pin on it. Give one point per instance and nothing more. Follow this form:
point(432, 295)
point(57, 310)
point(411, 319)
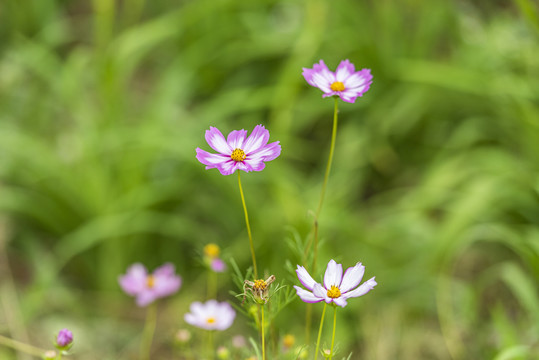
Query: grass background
point(434, 185)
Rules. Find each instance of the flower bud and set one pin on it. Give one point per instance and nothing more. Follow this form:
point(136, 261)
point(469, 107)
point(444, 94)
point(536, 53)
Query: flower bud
point(49, 355)
point(183, 336)
point(64, 339)
point(223, 353)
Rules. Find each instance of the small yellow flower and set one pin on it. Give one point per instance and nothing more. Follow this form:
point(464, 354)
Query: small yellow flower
point(211, 250)
point(288, 341)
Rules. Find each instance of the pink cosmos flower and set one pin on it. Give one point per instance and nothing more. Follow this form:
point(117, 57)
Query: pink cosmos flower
point(218, 265)
point(345, 82)
point(337, 288)
point(149, 287)
point(211, 315)
point(237, 152)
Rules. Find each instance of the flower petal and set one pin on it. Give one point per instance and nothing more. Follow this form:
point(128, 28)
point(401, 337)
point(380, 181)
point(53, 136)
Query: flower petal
point(352, 277)
point(166, 269)
point(217, 141)
point(145, 298)
point(258, 138)
point(319, 291)
point(319, 76)
point(210, 160)
point(236, 139)
point(362, 290)
point(255, 165)
point(333, 275)
point(134, 281)
point(307, 296)
point(266, 153)
point(228, 167)
point(304, 278)
point(344, 70)
point(340, 301)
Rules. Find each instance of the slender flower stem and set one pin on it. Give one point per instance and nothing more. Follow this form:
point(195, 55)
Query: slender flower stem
point(333, 336)
point(248, 227)
point(262, 326)
point(149, 329)
point(316, 351)
point(212, 285)
point(211, 350)
point(20, 346)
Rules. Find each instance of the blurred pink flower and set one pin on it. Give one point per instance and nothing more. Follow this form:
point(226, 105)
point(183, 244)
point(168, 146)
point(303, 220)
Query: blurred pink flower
point(238, 152)
point(211, 315)
point(337, 288)
point(149, 287)
point(345, 82)
point(218, 265)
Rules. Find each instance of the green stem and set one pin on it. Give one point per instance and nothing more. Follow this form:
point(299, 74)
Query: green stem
point(20, 346)
point(262, 326)
point(248, 227)
point(316, 351)
point(212, 284)
point(334, 326)
point(211, 350)
point(149, 329)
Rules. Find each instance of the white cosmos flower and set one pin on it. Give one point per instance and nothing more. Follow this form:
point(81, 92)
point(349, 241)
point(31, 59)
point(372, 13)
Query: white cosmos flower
point(337, 288)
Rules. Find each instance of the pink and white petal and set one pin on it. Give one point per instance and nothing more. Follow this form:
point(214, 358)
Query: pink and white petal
point(228, 167)
point(340, 301)
point(135, 279)
point(145, 298)
point(217, 141)
point(197, 308)
point(304, 278)
point(352, 277)
point(166, 269)
point(211, 160)
point(322, 83)
point(236, 139)
point(358, 79)
point(258, 138)
point(344, 70)
point(166, 285)
point(348, 96)
point(191, 319)
point(333, 275)
point(307, 296)
point(267, 153)
point(244, 165)
point(255, 165)
point(319, 291)
point(362, 290)
point(322, 69)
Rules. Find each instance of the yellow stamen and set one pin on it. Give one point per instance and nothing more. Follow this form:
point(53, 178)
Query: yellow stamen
point(259, 285)
point(238, 155)
point(210, 320)
point(337, 86)
point(150, 281)
point(334, 292)
point(211, 250)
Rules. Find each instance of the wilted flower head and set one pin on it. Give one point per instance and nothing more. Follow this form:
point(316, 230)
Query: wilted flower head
point(259, 289)
point(64, 339)
point(345, 82)
point(337, 288)
point(211, 315)
point(149, 287)
point(238, 152)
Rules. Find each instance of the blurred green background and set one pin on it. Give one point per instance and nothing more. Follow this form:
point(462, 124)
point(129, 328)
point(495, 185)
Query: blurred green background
point(434, 185)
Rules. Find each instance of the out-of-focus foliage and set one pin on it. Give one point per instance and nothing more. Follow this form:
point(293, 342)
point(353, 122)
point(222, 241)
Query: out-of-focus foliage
point(434, 185)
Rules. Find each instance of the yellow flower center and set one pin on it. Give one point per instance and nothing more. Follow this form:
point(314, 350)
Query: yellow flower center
point(211, 250)
point(337, 86)
point(150, 281)
point(238, 155)
point(210, 320)
point(259, 285)
point(334, 292)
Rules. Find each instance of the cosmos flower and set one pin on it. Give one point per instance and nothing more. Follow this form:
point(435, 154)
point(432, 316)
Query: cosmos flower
point(238, 152)
point(211, 315)
point(337, 288)
point(345, 82)
point(149, 287)
point(64, 339)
